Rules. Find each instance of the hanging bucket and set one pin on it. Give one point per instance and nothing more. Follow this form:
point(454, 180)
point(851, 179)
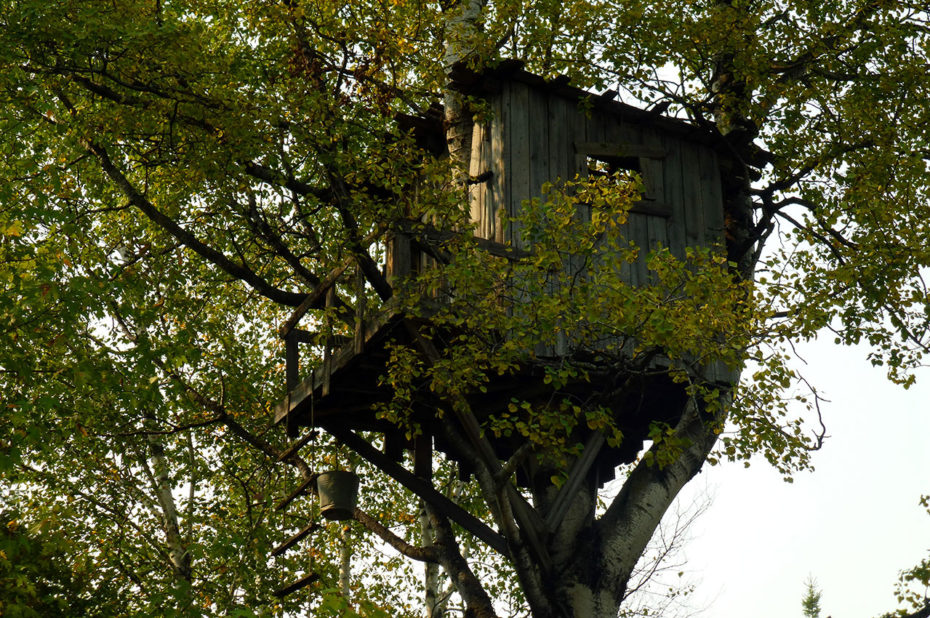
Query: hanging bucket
point(338, 490)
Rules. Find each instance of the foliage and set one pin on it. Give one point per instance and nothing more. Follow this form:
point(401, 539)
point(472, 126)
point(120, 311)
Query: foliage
point(176, 176)
point(811, 601)
point(42, 573)
point(914, 583)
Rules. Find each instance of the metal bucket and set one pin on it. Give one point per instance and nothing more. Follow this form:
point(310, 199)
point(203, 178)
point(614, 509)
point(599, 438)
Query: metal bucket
point(338, 491)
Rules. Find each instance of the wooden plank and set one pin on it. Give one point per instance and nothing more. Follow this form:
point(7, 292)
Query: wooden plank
point(712, 210)
point(657, 222)
point(519, 169)
point(302, 396)
point(653, 209)
point(294, 540)
point(561, 168)
point(297, 492)
point(560, 146)
point(691, 195)
point(576, 476)
point(538, 129)
point(621, 149)
point(398, 259)
point(712, 197)
point(674, 196)
point(614, 134)
point(538, 164)
point(295, 448)
point(499, 193)
point(476, 168)
point(422, 488)
point(303, 582)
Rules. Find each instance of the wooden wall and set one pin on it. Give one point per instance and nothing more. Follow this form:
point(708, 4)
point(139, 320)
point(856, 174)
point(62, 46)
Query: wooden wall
point(537, 134)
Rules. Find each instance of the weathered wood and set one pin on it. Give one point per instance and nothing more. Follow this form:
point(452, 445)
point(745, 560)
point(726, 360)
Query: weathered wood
point(691, 195)
point(313, 298)
point(576, 476)
point(652, 208)
point(295, 448)
point(538, 128)
point(712, 197)
point(624, 149)
point(303, 487)
point(301, 397)
point(518, 159)
point(674, 196)
point(421, 488)
point(499, 194)
point(399, 259)
point(423, 456)
point(303, 582)
point(294, 540)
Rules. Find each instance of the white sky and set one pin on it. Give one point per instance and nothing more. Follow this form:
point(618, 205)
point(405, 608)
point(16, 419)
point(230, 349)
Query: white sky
point(853, 523)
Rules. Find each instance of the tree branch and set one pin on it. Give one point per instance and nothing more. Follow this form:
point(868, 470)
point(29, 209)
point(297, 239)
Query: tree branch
point(186, 238)
point(423, 554)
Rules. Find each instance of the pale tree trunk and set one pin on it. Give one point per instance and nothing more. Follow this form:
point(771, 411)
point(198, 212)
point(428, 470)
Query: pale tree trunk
point(345, 564)
point(461, 29)
point(345, 556)
point(432, 594)
point(160, 477)
point(594, 561)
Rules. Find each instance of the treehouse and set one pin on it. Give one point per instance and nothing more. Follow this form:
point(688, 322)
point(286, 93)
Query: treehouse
point(534, 131)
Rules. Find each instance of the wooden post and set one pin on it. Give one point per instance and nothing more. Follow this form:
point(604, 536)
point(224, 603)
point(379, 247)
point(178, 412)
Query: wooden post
point(359, 310)
point(328, 340)
point(421, 488)
point(423, 456)
point(292, 377)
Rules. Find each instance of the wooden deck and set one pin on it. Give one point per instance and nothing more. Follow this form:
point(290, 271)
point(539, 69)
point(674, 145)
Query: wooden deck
point(344, 397)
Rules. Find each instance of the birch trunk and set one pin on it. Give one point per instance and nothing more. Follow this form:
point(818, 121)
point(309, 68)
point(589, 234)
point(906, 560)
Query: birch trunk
point(161, 480)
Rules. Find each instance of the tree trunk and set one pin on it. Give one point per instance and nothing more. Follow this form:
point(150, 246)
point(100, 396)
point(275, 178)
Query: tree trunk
point(161, 480)
point(461, 28)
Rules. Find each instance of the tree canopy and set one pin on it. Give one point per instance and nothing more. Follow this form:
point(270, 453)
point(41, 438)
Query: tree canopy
point(177, 177)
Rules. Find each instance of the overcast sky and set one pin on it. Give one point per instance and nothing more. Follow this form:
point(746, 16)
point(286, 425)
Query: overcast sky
point(853, 523)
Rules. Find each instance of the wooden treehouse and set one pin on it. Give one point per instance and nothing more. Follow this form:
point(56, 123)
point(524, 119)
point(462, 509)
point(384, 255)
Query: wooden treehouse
point(536, 131)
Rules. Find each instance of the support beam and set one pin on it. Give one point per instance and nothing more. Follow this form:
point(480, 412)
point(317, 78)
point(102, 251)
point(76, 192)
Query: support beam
point(421, 488)
point(529, 520)
point(294, 540)
point(575, 477)
point(297, 492)
point(295, 448)
point(303, 582)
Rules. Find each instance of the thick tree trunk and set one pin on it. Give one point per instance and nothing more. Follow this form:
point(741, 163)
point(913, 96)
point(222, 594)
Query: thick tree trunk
point(593, 561)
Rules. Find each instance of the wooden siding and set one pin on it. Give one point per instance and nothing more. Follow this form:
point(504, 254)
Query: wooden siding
point(536, 135)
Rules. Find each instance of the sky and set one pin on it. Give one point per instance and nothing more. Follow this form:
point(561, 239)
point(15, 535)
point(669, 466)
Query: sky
point(852, 524)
